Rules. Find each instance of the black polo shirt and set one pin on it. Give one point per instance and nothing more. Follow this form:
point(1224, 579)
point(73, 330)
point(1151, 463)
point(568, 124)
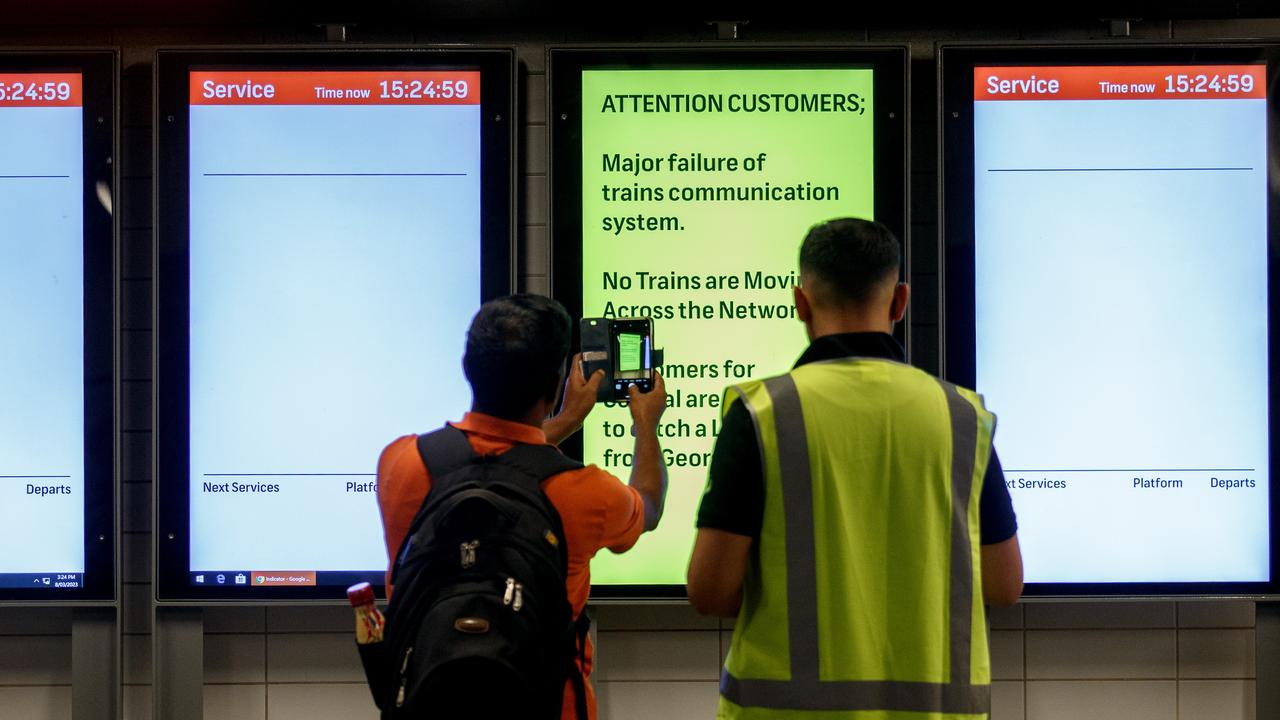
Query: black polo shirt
point(734, 500)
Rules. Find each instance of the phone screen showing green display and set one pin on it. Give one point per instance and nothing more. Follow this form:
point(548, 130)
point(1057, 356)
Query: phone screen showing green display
point(632, 350)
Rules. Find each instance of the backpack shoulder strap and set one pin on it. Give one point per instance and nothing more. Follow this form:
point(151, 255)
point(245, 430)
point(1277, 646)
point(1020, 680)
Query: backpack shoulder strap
point(539, 462)
point(444, 450)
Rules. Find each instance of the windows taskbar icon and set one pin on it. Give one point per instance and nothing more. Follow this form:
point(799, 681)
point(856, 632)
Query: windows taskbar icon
point(42, 581)
point(261, 578)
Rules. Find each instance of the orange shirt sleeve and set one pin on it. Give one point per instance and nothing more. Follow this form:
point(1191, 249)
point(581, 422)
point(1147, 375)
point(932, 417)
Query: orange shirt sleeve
point(623, 510)
point(622, 535)
point(402, 486)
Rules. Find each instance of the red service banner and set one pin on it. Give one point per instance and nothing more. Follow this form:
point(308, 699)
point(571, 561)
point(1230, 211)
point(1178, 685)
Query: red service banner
point(41, 90)
point(382, 87)
point(1125, 82)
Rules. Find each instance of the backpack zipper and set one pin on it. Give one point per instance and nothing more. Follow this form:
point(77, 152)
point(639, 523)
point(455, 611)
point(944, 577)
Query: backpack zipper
point(404, 668)
point(508, 596)
point(519, 601)
point(469, 553)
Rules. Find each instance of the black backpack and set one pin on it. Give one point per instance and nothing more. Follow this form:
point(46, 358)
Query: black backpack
point(480, 623)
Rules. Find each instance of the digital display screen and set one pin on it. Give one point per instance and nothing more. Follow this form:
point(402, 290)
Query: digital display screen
point(698, 185)
point(1120, 325)
point(42, 354)
point(335, 223)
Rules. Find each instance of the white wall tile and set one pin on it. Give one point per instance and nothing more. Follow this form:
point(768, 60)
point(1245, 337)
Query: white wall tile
point(36, 703)
point(136, 499)
point(136, 563)
point(1007, 658)
point(536, 259)
point(1217, 614)
point(137, 659)
point(320, 618)
point(536, 284)
point(1101, 615)
point(726, 640)
point(236, 702)
point(235, 658)
point(138, 702)
point(35, 660)
point(1099, 700)
point(652, 655)
point(665, 700)
point(136, 613)
point(235, 620)
point(535, 101)
point(1104, 654)
point(533, 205)
point(35, 621)
point(651, 617)
point(312, 658)
point(316, 702)
point(1216, 653)
point(1005, 618)
point(535, 149)
point(1217, 700)
point(135, 447)
point(1008, 700)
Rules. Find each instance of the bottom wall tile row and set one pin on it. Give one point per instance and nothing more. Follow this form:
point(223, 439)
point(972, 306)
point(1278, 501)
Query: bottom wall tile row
point(49, 702)
point(259, 702)
point(1010, 700)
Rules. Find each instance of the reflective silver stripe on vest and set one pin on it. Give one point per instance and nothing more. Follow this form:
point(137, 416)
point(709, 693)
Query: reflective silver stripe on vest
point(805, 690)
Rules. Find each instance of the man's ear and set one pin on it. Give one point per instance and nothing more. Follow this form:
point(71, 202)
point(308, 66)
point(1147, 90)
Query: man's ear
point(557, 394)
point(804, 311)
point(898, 307)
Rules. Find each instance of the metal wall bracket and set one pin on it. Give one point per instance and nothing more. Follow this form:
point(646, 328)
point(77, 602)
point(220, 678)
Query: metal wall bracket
point(177, 646)
point(728, 29)
point(335, 32)
point(95, 664)
point(1267, 648)
point(1120, 27)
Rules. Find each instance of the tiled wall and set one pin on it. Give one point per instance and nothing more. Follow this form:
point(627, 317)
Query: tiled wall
point(1101, 661)
point(1166, 661)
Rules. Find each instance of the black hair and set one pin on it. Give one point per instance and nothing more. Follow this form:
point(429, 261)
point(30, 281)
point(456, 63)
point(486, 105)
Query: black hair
point(850, 258)
point(516, 351)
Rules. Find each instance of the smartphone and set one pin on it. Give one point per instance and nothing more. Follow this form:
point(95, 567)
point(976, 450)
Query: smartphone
point(631, 345)
point(623, 348)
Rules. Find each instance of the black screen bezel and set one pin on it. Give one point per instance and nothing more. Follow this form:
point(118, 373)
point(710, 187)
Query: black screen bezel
point(565, 66)
point(956, 64)
point(498, 151)
point(100, 72)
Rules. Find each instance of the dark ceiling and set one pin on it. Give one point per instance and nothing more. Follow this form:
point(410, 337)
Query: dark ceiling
point(656, 13)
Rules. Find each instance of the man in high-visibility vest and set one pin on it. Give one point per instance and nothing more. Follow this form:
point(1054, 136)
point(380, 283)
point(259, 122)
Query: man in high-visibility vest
point(856, 517)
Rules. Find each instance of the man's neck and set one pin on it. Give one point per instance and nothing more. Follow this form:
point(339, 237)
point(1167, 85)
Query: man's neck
point(534, 417)
point(839, 325)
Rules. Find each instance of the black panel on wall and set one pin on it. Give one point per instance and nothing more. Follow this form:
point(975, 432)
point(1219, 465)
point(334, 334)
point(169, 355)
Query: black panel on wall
point(924, 215)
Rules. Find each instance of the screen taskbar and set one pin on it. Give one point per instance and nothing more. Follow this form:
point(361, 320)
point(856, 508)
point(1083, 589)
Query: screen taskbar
point(38, 581)
point(278, 579)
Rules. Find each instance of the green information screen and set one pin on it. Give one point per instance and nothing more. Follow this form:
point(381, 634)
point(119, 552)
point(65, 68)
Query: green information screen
point(698, 186)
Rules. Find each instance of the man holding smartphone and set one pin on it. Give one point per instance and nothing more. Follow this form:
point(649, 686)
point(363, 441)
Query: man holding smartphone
point(856, 516)
point(516, 361)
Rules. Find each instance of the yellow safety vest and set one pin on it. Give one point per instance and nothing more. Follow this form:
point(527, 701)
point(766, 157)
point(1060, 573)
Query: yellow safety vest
point(863, 598)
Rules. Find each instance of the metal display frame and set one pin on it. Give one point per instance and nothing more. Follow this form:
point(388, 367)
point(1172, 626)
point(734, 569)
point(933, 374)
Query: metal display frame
point(498, 158)
point(956, 62)
point(565, 63)
point(96, 634)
